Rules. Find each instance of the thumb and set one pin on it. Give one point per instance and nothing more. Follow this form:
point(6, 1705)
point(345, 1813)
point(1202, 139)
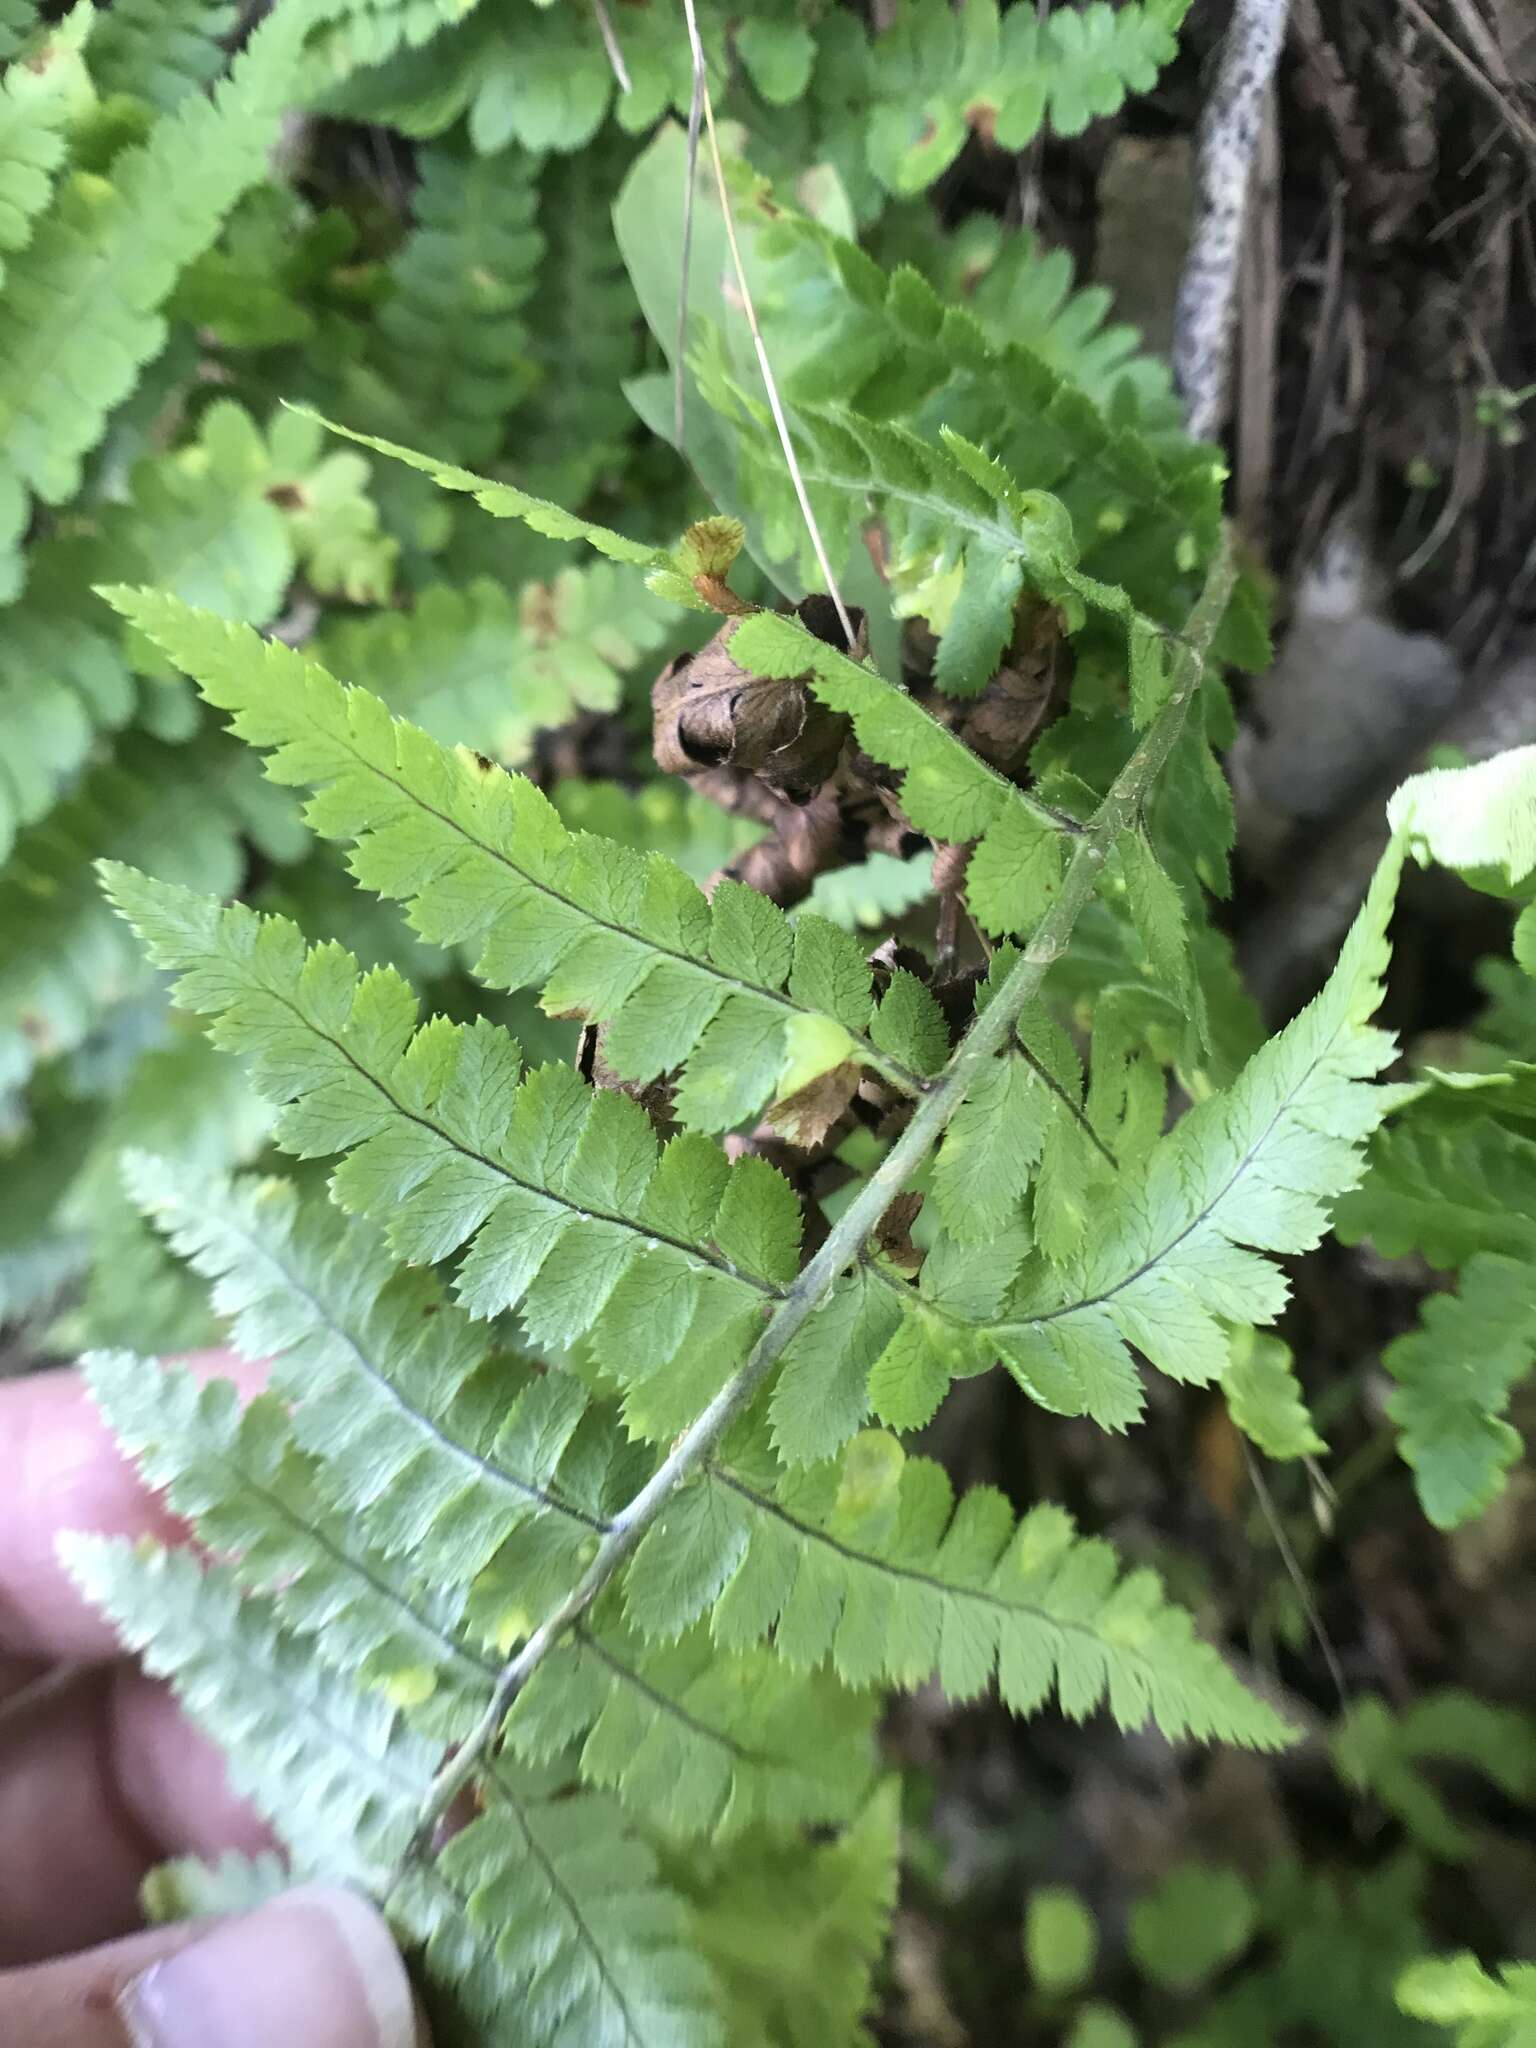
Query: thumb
point(316, 1968)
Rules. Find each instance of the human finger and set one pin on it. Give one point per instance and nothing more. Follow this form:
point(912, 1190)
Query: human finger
point(59, 1469)
point(100, 1779)
point(315, 1968)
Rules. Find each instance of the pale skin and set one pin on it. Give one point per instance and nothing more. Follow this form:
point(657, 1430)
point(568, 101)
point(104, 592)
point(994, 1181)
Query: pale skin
point(100, 1776)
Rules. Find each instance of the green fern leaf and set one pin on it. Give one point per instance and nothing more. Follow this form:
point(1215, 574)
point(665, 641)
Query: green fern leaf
point(459, 283)
point(239, 1475)
point(1455, 1375)
point(890, 391)
point(480, 667)
point(714, 988)
point(870, 1561)
point(1265, 1400)
point(160, 52)
point(1479, 820)
point(1252, 1170)
point(829, 1905)
point(542, 1908)
point(1377, 1750)
point(560, 1194)
point(62, 684)
point(574, 428)
point(34, 106)
point(935, 74)
point(547, 1915)
point(81, 315)
point(335, 1770)
point(990, 1149)
point(1486, 2011)
point(422, 1500)
point(947, 791)
point(442, 1449)
point(1446, 1193)
point(357, 34)
point(505, 501)
point(872, 892)
point(67, 960)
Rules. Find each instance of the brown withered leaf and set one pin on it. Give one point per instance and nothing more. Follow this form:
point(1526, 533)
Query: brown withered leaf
point(806, 1116)
point(1002, 723)
point(709, 712)
point(805, 840)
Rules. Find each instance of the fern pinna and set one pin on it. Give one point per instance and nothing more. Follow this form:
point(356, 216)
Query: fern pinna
point(608, 1525)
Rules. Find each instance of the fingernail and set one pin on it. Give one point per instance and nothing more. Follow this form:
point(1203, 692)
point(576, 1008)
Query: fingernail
point(314, 1969)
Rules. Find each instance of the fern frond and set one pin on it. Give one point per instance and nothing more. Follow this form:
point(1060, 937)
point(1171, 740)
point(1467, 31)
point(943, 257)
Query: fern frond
point(335, 1770)
point(34, 106)
point(62, 684)
point(356, 34)
point(1024, 292)
point(869, 1561)
point(829, 1905)
point(1487, 2011)
point(1446, 1193)
point(543, 1910)
point(573, 429)
point(1265, 1400)
point(871, 360)
point(459, 283)
point(439, 1446)
point(875, 891)
point(1455, 1375)
point(506, 501)
point(1479, 820)
point(934, 75)
point(1172, 1257)
point(658, 1260)
point(948, 791)
point(159, 51)
point(204, 521)
point(239, 1475)
point(746, 1006)
point(1384, 1752)
point(81, 315)
point(417, 1465)
point(696, 1740)
point(67, 960)
point(548, 1916)
point(480, 667)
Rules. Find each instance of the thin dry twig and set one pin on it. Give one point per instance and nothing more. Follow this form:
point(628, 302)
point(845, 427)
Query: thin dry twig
point(792, 460)
point(690, 189)
point(611, 45)
point(1229, 136)
point(1510, 114)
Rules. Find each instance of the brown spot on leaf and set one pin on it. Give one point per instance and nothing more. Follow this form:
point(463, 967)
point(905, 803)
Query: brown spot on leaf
point(286, 497)
point(808, 1115)
point(981, 119)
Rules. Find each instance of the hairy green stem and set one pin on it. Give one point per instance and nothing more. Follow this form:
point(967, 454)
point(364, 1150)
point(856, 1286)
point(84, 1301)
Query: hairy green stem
point(1118, 813)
